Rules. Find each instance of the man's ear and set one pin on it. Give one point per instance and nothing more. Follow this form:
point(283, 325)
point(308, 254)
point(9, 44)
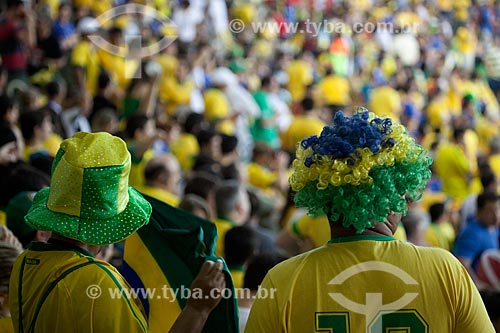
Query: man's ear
point(4, 300)
point(42, 236)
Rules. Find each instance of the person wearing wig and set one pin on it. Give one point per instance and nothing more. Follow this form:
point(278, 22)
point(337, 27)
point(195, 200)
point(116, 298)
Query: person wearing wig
point(360, 172)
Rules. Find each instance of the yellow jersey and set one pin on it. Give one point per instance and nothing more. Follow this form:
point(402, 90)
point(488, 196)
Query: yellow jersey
point(223, 226)
point(452, 167)
point(334, 90)
point(301, 128)
point(6, 325)
point(59, 288)
point(317, 229)
point(84, 55)
point(385, 101)
point(440, 235)
point(159, 194)
point(369, 283)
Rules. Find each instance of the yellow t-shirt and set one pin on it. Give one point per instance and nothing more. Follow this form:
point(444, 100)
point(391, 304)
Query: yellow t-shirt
point(260, 176)
point(400, 233)
point(222, 227)
point(73, 291)
point(441, 235)
point(494, 162)
point(238, 275)
point(216, 108)
point(299, 77)
point(216, 104)
point(173, 93)
point(84, 55)
point(159, 194)
point(3, 218)
point(6, 325)
point(452, 167)
point(136, 176)
point(369, 284)
point(301, 128)
point(334, 90)
point(186, 148)
point(385, 101)
point(317, 229)
point(120, 69)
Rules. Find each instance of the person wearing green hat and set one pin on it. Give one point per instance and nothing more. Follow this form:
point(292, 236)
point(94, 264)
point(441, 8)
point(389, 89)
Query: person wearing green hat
point(17, 208)
point(59, 285)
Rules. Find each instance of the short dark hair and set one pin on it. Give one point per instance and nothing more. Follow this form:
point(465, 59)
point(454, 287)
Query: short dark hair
point(53, 89)
point(103, 80)
point(193, 123)
point(487, 179)
point(229, 143)
point(258, 267)
point(29, 120)
point(458, 132)
point(205, 136)
point(191, 202)
point(265, 81)
point(307, 104)
point(239, 245)
point(226, 197)
point(201, 184)
point(135, 123)
point(484, 198)
point(436, 211)
point(6, 104)
point(153, 170)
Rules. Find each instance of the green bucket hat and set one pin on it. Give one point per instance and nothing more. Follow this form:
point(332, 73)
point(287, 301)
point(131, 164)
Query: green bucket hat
point(89, 198)
point(15, 211)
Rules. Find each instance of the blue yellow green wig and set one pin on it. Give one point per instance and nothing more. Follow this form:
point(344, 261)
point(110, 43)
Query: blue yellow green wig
point(359, 170)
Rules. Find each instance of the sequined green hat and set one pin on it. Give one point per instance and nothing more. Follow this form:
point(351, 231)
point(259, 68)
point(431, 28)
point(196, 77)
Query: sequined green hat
point(89, 198)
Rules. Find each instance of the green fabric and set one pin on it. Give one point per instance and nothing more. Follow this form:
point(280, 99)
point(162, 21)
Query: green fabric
point(361, 238)
point(260, 133)
point(15, 212)
point(57, 159)
point(90, 231)
point(107, 180)
point(130, 106)
point(180, 243)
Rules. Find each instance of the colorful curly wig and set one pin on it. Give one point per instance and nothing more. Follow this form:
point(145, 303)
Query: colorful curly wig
point(359, 169)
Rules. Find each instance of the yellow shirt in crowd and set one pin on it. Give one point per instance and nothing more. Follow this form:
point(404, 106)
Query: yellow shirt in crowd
point(334, 90)
point(84, 55)
point(301, 128)
point(159, 194)
point(441, 235)
point(299, 77)
point(54, 278)
point(369, 284)
point(385, 101)
point(223, 226)
point(186, 148)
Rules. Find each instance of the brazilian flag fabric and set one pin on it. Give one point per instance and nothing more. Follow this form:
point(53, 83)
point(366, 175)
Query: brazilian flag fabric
point(161, 261)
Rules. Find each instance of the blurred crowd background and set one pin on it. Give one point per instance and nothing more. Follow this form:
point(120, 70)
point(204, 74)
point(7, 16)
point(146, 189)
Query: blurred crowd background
point(213, 119)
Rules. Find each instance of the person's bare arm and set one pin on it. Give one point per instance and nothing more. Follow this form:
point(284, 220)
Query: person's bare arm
point(210, 281)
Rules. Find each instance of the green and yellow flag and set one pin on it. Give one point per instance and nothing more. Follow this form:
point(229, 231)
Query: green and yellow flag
point(161, 261)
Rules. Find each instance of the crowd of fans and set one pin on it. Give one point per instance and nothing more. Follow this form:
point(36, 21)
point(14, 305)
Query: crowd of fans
point(213, 119)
